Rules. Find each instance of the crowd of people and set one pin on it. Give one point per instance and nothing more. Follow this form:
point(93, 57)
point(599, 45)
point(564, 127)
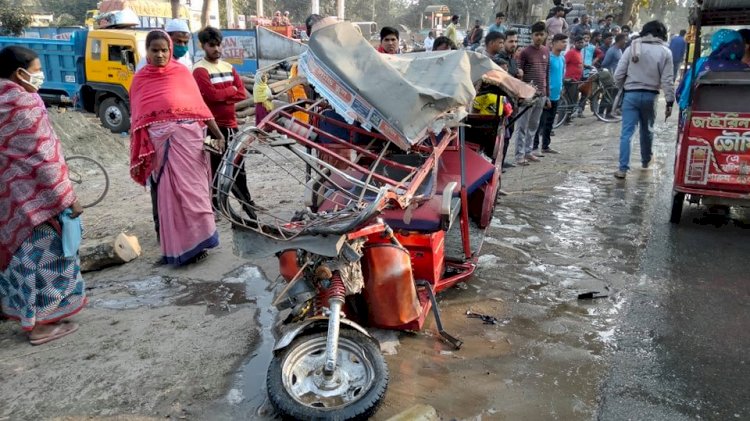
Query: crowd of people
point(174, 103)
point(561, 60)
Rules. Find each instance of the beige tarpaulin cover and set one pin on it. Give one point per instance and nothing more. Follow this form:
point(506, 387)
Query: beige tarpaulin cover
point(401, 96)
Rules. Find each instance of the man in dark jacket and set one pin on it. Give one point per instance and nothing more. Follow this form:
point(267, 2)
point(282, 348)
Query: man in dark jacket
point(508, 54)
point(678, 46)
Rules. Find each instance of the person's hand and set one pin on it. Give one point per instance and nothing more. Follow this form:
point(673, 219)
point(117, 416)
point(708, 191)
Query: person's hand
point(221, 143)
point(519, 73)
point(668, 112)
point(77, 209)
point(547, 104)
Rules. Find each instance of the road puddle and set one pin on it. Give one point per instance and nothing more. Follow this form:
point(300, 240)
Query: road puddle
point(248, 391)
point(159, 291)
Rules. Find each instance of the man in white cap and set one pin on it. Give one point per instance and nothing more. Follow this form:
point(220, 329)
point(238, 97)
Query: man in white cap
point(180, 33)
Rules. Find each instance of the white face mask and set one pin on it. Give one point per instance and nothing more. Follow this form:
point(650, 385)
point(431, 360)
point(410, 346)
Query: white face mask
point(36, 80)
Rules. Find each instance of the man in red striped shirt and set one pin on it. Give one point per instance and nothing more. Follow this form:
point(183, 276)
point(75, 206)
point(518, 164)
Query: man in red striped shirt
point(221, 88)
point(534, 62)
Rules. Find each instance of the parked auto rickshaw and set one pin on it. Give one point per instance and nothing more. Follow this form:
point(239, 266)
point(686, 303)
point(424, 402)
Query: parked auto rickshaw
point(712, 166)
point(396, 193)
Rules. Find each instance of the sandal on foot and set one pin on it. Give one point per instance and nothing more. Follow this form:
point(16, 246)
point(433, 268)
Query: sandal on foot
point(198, 257)
point(58, 332)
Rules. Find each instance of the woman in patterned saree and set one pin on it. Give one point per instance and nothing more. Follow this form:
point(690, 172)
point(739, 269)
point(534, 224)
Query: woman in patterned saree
point(39, 285)
point(166, 145)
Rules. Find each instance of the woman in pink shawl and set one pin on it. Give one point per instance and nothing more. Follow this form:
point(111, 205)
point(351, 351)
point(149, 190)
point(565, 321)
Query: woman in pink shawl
point(168, 127)
point(40, 277)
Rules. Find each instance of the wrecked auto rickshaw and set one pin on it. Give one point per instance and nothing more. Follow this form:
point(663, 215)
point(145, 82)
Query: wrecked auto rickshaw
point(397, 195)
point(712, 165)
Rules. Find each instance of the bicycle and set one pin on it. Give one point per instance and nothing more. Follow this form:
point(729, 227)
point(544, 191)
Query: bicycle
point(601, 99)
point(90, 179)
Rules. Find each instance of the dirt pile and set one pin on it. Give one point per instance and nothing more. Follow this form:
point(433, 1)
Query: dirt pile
point(82, 134)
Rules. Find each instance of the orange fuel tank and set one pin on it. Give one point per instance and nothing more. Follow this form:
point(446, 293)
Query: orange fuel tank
point(389, 286)
point(288, 266)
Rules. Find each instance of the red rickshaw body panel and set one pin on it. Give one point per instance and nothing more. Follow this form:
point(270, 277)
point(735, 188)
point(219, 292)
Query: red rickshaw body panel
point(713, 155)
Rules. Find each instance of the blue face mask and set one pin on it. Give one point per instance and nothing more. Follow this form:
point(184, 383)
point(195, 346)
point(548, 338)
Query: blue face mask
point(180, 50)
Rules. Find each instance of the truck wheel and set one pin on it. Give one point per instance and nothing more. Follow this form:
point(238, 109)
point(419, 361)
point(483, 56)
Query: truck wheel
point(677, 202)
point(298, 390)
point(114, 115)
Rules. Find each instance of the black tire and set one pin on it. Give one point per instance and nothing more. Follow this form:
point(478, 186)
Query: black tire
point(90, 179)
point(114, 115)
point(601, 100)
point(678, 201)
point(362, 408)
point(563, 112)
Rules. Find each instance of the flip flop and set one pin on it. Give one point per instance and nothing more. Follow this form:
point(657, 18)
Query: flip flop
point(58, 332)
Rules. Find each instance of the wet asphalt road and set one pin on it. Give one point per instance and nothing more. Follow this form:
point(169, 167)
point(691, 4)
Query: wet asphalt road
point(668, 342)
point(682, 341)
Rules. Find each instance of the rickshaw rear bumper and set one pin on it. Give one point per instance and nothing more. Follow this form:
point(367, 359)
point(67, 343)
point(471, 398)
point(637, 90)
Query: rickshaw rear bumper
point(715, 196)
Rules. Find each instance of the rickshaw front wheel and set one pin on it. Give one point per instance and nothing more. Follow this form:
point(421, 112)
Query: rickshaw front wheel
point(299, 389)
point(678, 201)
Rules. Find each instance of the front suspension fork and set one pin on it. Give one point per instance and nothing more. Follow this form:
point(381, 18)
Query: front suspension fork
point(336, 293)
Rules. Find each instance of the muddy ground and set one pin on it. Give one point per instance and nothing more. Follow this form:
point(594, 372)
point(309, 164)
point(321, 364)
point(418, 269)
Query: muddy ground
point(194, 343)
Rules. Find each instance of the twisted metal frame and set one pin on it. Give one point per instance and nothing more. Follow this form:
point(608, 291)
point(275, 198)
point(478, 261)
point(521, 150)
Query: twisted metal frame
point(288, 142)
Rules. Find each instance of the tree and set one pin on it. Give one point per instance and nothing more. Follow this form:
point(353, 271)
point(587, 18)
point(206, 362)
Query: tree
point(65, 20)
point(13, 18)
point(205, 12)
point(516, 11)
point(175, 8)
point(73, 8)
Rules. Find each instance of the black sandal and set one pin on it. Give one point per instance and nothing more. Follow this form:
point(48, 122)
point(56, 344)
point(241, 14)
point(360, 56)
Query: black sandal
point(197, 258)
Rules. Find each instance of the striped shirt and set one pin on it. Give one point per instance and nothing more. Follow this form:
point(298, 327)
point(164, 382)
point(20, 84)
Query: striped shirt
point(221, 88)
point(535, 65)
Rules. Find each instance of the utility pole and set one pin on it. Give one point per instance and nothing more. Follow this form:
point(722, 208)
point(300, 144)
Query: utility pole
point(316, 7)
point(259, 8)
point(340, 9)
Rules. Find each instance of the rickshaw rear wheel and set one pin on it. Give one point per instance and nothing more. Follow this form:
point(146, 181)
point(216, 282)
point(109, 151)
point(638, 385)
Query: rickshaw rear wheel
point(298, 389)
point(678, 201)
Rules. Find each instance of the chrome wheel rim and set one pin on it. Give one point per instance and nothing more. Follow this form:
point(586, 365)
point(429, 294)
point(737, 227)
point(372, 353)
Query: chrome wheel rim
point(303, 378)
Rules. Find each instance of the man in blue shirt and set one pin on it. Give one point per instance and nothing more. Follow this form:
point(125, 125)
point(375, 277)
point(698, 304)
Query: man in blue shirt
point(589, 55)
point(499, 25)
point(556, 74)
point(614, 53)
point(678, 46)
point(613, 56)
point(583, 28)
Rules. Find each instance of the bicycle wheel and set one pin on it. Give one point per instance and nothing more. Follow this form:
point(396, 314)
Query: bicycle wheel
point(602, 102)
point(90, 179)
point(563, 112)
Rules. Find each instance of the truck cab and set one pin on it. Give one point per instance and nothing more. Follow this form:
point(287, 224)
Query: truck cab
point(111, 57)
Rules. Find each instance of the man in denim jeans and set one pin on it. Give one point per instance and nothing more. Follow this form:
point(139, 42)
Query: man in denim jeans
point(645, 68)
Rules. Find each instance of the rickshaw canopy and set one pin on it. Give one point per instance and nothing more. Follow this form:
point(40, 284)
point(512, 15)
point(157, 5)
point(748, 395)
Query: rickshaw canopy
point(723, 12)
point(404, 97)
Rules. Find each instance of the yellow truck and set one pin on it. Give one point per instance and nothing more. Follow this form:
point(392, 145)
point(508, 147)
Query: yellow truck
point(92, 69)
